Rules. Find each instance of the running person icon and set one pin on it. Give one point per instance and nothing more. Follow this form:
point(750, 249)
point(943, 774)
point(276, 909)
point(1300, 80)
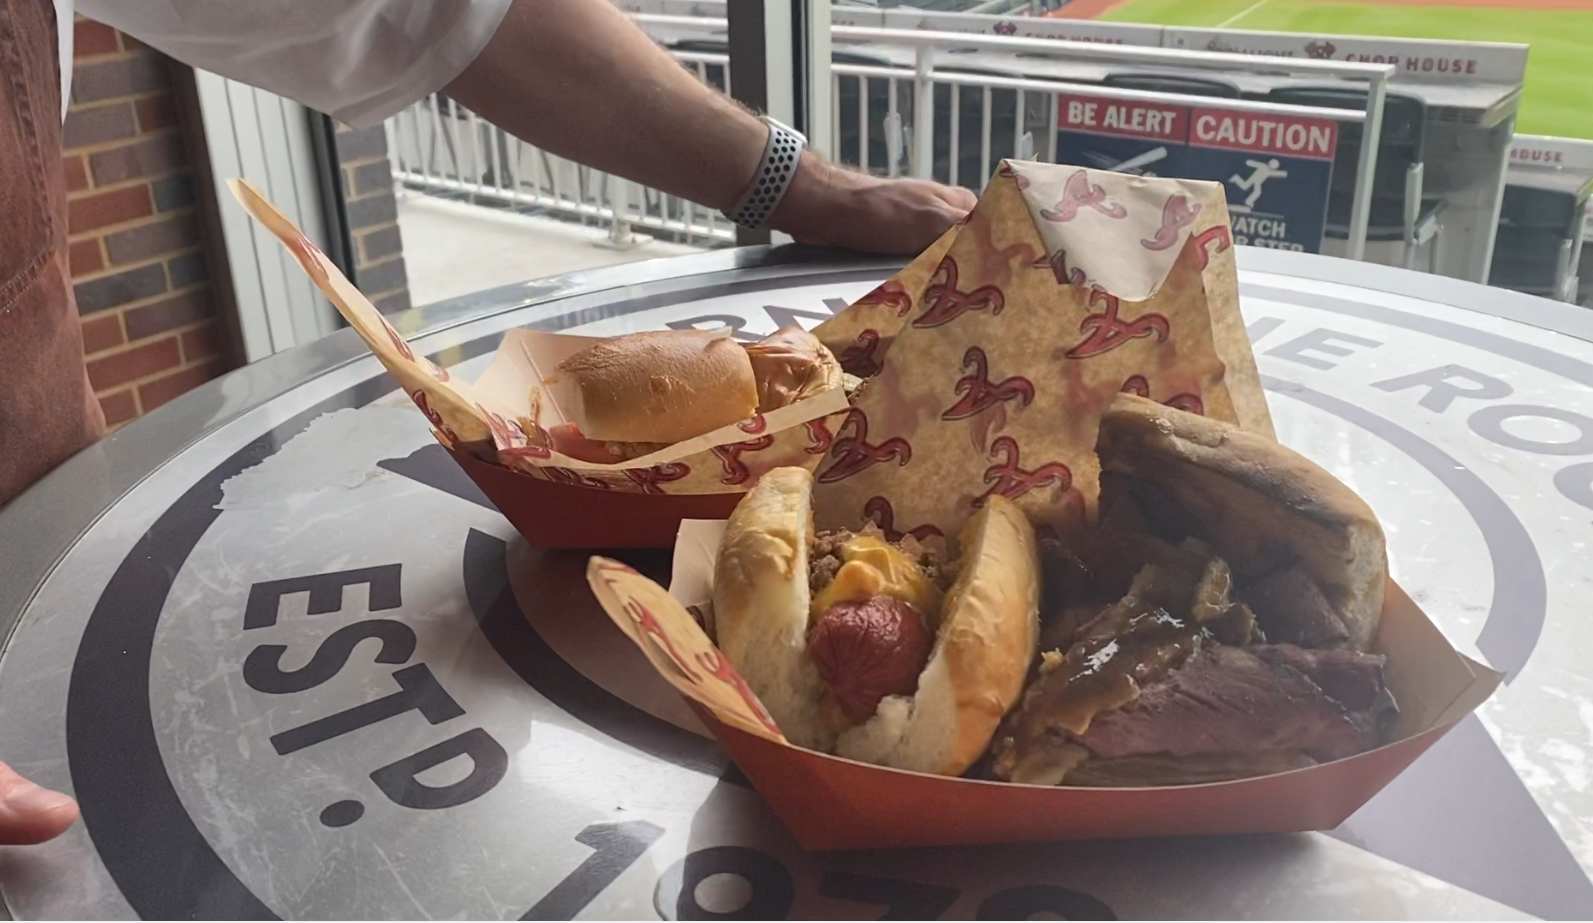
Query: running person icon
point(1259, 173)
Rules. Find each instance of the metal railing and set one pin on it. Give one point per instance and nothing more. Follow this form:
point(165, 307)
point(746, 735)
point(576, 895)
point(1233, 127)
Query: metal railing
point(439, 146)
point(1035, 105)
point(925, 77)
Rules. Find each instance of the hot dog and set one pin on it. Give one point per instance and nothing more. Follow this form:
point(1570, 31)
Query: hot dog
point(881, 651)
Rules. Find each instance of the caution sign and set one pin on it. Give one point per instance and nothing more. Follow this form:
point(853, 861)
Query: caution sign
point(1122, 135)
point(1276, 168)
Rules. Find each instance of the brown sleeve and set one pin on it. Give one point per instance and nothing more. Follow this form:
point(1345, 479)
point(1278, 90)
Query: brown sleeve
point(47, 407)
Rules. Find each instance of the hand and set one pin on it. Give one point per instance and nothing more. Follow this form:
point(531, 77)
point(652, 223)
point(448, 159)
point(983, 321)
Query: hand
point(30, 814)
point(833, 207)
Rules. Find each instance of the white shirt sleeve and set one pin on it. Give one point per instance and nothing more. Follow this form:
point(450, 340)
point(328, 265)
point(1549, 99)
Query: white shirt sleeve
point(359, 61)
point(63, 40)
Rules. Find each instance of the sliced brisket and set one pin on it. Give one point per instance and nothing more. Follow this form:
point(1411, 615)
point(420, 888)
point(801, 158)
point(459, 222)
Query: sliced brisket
point(1290, 608)
point(1250, 700)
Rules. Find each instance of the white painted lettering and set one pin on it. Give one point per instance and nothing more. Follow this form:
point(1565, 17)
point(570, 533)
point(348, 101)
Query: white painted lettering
point(1255, 227)
point(1261, 134)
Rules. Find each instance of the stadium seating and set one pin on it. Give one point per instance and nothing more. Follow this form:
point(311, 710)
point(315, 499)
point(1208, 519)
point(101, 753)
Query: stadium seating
point(1399, 210)
point(1536, 239)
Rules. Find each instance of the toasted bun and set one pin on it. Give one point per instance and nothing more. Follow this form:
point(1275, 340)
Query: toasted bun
point(790, 365)
point(761, 603)
point(988, 633)
point(1281, 521)
point(663, 386)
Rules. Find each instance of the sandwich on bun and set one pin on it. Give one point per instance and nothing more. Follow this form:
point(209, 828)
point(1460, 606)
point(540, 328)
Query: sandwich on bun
point(1218, 623)
point(1308, 554)
point(882, 651)
point(635, 394)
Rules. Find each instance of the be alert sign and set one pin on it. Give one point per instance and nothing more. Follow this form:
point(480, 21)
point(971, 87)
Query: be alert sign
point(1128, 118)
point(1276, 169)
point(1122, 135)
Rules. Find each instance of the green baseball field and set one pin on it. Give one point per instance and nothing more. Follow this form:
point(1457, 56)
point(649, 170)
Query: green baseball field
point(1558, 98)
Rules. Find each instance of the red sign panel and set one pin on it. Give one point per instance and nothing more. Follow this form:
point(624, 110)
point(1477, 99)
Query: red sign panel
point(1291, 136)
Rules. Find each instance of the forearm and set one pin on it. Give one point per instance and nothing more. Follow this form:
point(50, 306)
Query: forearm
point(579, 79)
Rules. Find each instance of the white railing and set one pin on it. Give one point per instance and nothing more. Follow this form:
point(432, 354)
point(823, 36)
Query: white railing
point(444, 148)
point(925, 44)
point(439, 146)
point(1035, 105)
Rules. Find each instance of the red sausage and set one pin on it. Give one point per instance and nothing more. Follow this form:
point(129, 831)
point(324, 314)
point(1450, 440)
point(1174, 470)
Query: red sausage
point(868, 649)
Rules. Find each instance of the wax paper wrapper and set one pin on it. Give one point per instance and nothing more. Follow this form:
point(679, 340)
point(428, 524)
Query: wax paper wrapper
point(994, 353)
point(502, 418)
point(677, 647)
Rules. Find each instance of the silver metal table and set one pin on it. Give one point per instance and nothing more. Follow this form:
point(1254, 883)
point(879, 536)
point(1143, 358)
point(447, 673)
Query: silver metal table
point(293, 665)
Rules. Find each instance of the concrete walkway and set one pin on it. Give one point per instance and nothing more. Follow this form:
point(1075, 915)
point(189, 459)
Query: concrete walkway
point(454, 248)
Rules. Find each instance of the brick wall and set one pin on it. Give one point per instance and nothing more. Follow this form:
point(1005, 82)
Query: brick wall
point(373, 217)
point(150, 325)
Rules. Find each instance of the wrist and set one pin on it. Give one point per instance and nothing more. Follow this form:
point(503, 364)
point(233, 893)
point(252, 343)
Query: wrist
point(750, 139)
point(821, 196)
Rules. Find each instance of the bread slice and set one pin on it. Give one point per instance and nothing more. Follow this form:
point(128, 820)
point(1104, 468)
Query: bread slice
point(761, 598)
point(1286, 526)
point(988, 634)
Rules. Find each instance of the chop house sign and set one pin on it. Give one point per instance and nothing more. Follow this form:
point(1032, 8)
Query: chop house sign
point(1324, 49)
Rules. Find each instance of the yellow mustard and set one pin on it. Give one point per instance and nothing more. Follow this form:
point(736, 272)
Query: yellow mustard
point(872, 567)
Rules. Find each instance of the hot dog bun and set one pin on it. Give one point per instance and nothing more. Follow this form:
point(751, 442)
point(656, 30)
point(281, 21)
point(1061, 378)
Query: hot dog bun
point(988, 634)
point(761, 600)
point(1309, 554)
point(662, 386)
point(988, 631)
point(642, 391)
